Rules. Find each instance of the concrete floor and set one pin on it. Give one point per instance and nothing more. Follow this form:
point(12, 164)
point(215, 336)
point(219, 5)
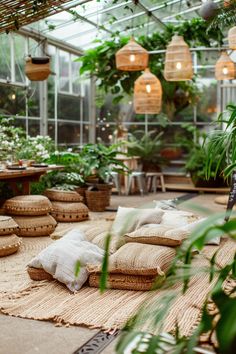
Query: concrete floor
point(23, 336)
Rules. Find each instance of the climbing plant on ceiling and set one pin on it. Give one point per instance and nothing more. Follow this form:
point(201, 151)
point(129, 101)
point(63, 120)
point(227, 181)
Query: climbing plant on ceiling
point(100, 61)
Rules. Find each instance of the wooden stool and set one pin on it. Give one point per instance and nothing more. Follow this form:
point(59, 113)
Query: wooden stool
point(140, 177)
point(151, 180)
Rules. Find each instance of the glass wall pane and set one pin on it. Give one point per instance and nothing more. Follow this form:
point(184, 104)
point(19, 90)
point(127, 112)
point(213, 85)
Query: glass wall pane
point(33, 99)
point(75, 65)
point(12, 100)
point(63, 71)
point(68, 133)
point(5, 57)
point(34, 127)
point(68, 107)
point(19, 52)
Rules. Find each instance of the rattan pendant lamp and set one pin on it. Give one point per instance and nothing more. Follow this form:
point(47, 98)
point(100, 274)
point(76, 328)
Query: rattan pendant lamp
point(178, 60)
point(147, 94)
point(132, 57)
point(224, 68)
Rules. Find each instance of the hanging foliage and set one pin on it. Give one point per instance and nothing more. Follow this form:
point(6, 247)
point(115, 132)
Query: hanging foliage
point(100, 61)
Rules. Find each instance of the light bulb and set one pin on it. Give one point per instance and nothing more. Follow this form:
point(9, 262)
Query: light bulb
point(13, 96)
point(148, 88)
point(132, 57)
point(225, 70)
point(178, 66)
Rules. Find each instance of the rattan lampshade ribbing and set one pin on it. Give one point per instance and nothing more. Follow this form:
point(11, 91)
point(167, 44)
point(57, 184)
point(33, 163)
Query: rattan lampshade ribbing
point(224, 68)
point(178, 60)
point(232, 38)
point(132, 57)
point(147, 94)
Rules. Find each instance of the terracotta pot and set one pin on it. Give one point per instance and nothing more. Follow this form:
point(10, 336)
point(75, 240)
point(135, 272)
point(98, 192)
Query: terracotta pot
point(171, 153)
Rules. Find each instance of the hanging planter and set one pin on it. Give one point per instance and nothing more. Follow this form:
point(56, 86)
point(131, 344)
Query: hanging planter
point(232, 38)
point(37, 68)
point(132, 57)
point(178, 60)
point(147, 94)
point(208, 10)
point(224, 68)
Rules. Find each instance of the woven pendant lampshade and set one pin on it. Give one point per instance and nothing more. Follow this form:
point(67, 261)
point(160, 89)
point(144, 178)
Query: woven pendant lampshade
point(178, 60)
point(232, 38)
point(132, 57)
point(147, 94)
point(224, 68)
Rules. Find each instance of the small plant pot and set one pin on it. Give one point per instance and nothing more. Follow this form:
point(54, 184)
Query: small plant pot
point(37, 68)
point(96, 199)
point(171, 153)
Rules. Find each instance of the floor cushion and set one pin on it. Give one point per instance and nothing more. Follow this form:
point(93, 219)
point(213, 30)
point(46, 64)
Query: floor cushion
point(124, 281)
point(63, 196)
point(139, 259)
point(35, 226)
point(7, 225)
point(68, 212)
point(28, 205)
point(62, 256)
point(178, 218)
point(9, 245)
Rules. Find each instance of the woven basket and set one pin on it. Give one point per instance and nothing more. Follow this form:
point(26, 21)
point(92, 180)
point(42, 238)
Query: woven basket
point(37, 69)
point(124, 282)
point(63, 196)
point(9, 245)
point(97, 200)
point(69, 212)
point(7, 225)
point(81, 191)
point(38, 274)
point(28, 205)
point(35, 226)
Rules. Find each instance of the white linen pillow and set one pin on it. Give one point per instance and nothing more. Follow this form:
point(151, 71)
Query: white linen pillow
point(60, 258)
point(178, 218)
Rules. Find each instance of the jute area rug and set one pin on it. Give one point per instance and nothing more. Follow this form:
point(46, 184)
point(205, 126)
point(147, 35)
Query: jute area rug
point(21, 297)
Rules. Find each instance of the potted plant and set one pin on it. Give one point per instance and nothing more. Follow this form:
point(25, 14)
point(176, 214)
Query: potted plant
point(148, 148)
point(221, 158)
point(98, 163)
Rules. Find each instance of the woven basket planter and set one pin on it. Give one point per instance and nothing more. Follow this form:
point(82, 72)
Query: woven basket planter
point(9, 245)
point(69, 212)
point(97, 200)
point(7, 225)
point(81, 191)
point(63, 196)
point(28, 205)
point(38, 274)
point(37, 69)
point(35, 226)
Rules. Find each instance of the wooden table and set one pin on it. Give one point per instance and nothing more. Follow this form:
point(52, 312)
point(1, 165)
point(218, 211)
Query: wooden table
point(25, 177)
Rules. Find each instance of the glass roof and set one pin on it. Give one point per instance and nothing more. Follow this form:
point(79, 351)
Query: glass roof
point(80, 25)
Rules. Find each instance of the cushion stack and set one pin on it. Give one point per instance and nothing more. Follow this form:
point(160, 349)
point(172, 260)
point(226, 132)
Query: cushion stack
point(67, 206)
point(9, 242)
point(31, 213)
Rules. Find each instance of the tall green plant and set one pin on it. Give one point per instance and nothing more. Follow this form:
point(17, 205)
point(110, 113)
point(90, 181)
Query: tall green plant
point(221, 144)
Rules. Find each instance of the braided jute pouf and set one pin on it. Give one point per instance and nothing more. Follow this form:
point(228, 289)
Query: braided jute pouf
point(28, 205)
point(63, 196)
point(222, 199)
point(38, 274)
point(7, 225)
point(35, 226)
point(69, 212)
point(9, 245)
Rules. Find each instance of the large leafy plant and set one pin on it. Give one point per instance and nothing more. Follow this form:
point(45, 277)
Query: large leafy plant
point(100, 161)
point(221, 145)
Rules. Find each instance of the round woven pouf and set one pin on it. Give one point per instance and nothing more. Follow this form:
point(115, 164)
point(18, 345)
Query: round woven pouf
point(9, 245)
point(38, 274)
point(28, 205)
point(69, 212)
point(35, 226)
point(63, 196)
point(7, 225)
point(222, 199)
